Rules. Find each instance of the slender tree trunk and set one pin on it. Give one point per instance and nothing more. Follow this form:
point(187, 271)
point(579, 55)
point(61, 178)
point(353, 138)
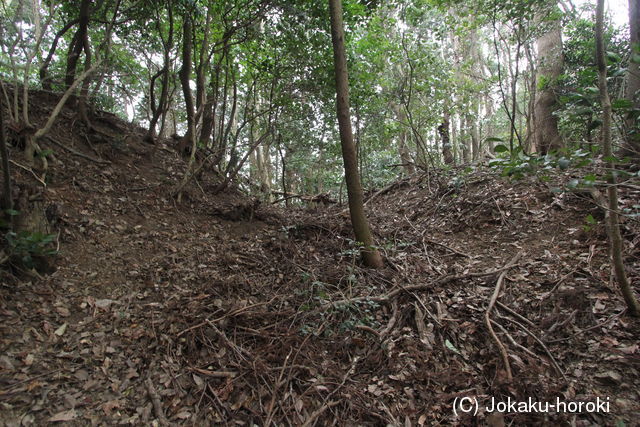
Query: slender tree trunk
point(443, 130)
point(185, 78)
point(550, 66)
point(632, 140)
point(465, 137)
point(7, 200)
point(403, 149)
point(455, 139)
point(370, 255)
point(613, 228)
point(77, 43)
point(44, 68)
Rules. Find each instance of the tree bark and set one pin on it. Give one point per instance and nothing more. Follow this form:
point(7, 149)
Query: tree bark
point(158, 109)
point(403, 149)
point(370, 255)
point(632, 140)
point(613, 227)
point(78, 42)
point(7, 200)
point(550, 66)
point(44, 68)
point(443, 130)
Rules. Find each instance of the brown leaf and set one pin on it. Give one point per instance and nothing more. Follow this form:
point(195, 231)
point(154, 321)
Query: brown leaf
point(63, 416)
point(108, 407)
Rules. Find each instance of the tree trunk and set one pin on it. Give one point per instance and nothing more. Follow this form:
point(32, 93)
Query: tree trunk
point(7, 200)
point(403, 149)
point(370, 255)
point(443, 130)
point(185, 79)
point(613, 227)
point(465, 138)
point(632, 140)
point(44, 68)
point(550, 66)
point(77, 43)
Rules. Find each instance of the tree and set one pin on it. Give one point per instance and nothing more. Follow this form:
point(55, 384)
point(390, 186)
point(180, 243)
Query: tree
point(550, 66)
point(370, 255)
point(613, 227)
point(632, 146)
point(7, 201)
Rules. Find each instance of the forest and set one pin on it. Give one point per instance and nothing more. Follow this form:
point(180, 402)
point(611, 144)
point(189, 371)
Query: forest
point(340, 212)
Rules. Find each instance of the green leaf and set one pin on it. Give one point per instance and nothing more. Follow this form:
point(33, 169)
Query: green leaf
point(619, 104)
point(451, 347)
point(564, 163)
point(500, 148)
point(494, 139)
point(613, 57)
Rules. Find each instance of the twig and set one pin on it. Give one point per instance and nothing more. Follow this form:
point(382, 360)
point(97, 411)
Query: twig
point(487, 320)
point(513, 313)
point(513, 341)
point(433, 242)
point(157, 403)
point(582, 331)
point(440, 281)
point(241, 351)
point(368, 329)
point(392, 320)
point(312, 418)
point(539, 341)
point(422, 329)
point(233, 313)
point(215, 374)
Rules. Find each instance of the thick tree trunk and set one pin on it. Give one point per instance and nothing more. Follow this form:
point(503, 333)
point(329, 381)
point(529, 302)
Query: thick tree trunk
point(370, 255)
point(613, 227)
point(550, 66)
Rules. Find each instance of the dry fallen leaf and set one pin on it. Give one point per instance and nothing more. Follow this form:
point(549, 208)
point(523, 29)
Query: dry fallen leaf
point(29, 359)
point(61, 330)
point(63, 416)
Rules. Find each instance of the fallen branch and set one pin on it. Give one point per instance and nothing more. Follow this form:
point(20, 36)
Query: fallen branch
point(487, 319)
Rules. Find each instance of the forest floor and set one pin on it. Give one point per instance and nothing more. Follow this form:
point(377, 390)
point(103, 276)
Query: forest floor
point(221, 311)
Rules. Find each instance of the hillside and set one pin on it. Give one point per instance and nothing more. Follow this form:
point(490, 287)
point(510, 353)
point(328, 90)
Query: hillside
point(222, 311)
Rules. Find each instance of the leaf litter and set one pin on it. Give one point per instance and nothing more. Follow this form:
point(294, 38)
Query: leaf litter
point(201, 314)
